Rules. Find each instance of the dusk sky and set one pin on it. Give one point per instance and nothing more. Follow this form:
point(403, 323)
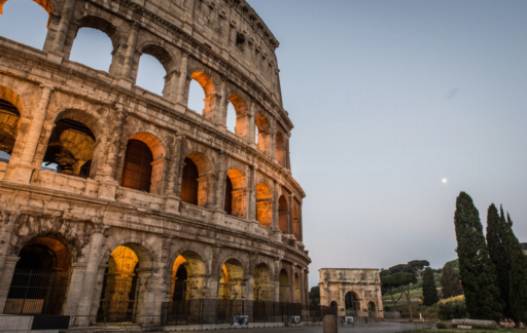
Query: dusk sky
point(390, 99)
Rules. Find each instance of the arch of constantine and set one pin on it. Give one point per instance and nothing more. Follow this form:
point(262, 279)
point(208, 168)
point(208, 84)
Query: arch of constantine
point(122, 205)
point(352, 292)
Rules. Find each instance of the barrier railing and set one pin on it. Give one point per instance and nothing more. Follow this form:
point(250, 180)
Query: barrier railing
point(219, 311)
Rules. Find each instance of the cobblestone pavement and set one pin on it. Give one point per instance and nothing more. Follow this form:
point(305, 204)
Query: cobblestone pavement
point(386, 327)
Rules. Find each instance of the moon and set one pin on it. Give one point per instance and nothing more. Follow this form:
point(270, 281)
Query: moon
point(444, 180)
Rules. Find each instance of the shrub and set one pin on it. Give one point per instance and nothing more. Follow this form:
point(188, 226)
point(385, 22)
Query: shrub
point(452, 310)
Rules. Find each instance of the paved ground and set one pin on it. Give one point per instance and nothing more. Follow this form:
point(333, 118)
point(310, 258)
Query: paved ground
point(371, 328)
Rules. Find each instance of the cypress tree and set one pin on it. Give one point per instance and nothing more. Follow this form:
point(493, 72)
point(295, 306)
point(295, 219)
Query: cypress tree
point(500, 254)
point(429, 288)
point(476, 268)
point(518, 275)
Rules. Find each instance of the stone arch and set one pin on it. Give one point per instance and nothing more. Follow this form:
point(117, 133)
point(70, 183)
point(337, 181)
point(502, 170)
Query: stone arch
point(163, 57)
point(231, 284)
point(235, 193)
point(263, 132)
point(10, 104)
point(297, 288)
point(188, 272)
point(283, 214)
point(41, 278)
point(194, 182)
point(37, 13)
point(241, 118)
point(127, 274)
point(208, 86)
point(281, 149)
point(98, 23)
point(263, 287)
point(264, 204)
point(352, 303)
point(72, 144)
point(144, 163)
point(285, 286)
point(372, 310)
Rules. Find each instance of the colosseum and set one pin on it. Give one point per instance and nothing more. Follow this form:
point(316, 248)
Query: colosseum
point(120, 205)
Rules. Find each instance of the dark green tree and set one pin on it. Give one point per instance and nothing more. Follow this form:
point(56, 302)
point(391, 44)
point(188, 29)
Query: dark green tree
point(499, 252)
point(450, 280)
point(477, 271)
point(518, 273)
point(429, 288)
point(314, 297)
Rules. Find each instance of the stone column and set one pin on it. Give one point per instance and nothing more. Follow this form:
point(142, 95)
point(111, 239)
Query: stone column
point(183, 82)
point(124, 61)
point(221, 175)
point(58, 31)
point(7, 229)
point(275, 207)
point(84, 306)
point(251, 133)
point(221, 106)
point(20, 168)
point(272, 144)
point(170, 91)
point(251, 190)
point(6, 275)
point(290, 214)
point(75, 289)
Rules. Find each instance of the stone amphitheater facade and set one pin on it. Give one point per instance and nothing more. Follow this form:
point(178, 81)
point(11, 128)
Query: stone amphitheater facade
point(120, 193)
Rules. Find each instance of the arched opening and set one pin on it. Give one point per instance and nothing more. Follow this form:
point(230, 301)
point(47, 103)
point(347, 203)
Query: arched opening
point(9, 117)
point(137, 170)
point(231, 289)
point(122, 285)
point(263, 284)
point(190, 182)
point(144, 163)
point(263, 130)
point(41, 278)
point(281, 149)
point(285, 287)
point(151, 74)
point(297, 289)
point(231, 118)
point(352, 304)
point(283, 215)
point(194, 180)
point(372, 311)
point(263, 291)
point(231, 283)
point(202, 92)
point(153, 67)
point(25, 21)
point(188, 273)
point(70, 148)
point(295, 221)
point(187, 287)
point(237, 118)
point(333, 308)
point(235, 193)
point(94, 34)
point(264, 204)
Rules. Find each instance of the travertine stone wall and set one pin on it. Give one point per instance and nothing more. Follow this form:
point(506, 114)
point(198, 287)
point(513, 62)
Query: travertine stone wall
point(363, 284)
point(220, 42)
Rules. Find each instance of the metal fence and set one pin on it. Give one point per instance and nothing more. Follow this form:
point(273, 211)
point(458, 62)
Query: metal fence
point(36, 292)
point(218, 311)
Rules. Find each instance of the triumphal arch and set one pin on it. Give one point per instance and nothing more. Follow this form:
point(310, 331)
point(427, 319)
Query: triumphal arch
point(118, 204)
point(352, 292)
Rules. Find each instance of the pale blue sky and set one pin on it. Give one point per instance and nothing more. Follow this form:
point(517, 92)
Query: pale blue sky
point(388, 97)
